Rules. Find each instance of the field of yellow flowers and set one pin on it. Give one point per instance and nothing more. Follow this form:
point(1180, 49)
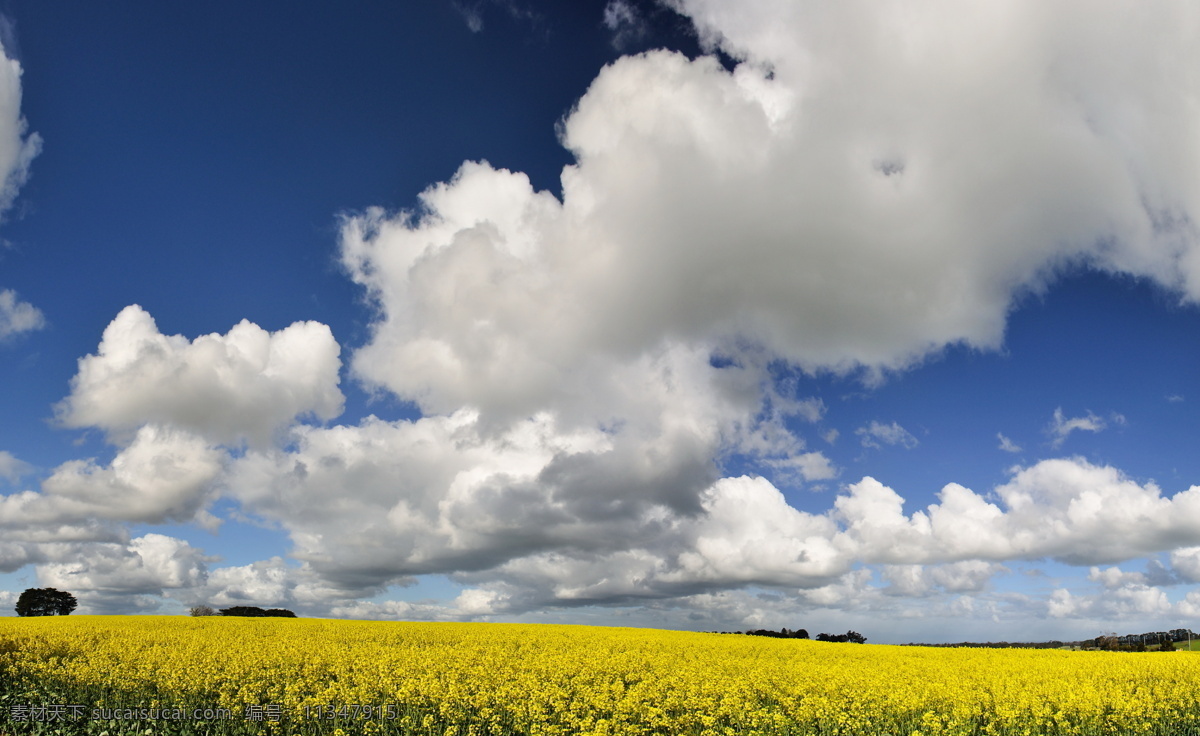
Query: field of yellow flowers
point(216, 675)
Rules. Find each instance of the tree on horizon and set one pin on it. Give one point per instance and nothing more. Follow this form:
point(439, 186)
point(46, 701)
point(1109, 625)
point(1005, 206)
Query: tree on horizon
point(45, 602)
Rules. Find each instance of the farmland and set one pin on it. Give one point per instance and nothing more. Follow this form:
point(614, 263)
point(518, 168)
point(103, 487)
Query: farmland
point(215, 675)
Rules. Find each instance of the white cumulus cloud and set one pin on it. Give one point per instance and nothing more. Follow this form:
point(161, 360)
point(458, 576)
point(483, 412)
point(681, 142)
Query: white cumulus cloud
point(147, 564)
point(1185, 561)
point(246, 385)
point(872, 183)
point(1124, 601)
point(123, 575)
point(164, 474)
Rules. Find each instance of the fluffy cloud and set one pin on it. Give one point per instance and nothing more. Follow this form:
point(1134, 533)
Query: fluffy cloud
point(139, 573)
point(17, 148)
point(953, 92)
point(266, 583)
point(246, 385)
point(1125, 601)
point(1114, 577)
point(168, 403)
point(163, 475)
point(122, 575)
point(486, 511)
point(970, 576)
point(436, 495)
point(1064, 509)
point(559, 517)
point(402, 610)
point(16, 554)
point(276, 582)
point(536, 517)
point(870, 185)
point(782, 202)
point(147, 564)
point(17, 316)
point(1190, 605)
point(812, 466)
point(1185, 561)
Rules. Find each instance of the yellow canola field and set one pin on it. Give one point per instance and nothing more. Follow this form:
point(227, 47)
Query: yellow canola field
point(350, 677)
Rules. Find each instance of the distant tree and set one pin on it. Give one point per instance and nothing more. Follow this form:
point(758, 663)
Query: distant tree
point(800, 633)
point(202, 611)
point(279, 613)
point(855, 638)
point(45, 602)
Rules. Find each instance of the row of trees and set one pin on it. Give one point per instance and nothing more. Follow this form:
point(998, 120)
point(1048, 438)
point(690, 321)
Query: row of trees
point(1055, 644)
point(250, 611)
point(54, 602)
point(781, 634)
point(852, 637)
point(1161, 641)
point(1151, 641)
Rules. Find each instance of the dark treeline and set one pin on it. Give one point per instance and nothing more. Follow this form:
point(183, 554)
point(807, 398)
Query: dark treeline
point(1001, 644)
point(781, 634)
point(256, 612)
point(850, 636)
point(1163, 641)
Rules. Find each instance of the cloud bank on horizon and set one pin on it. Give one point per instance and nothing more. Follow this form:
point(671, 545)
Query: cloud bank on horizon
point(864, 187)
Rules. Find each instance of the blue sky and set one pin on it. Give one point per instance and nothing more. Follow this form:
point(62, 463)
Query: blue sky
point(639, 313)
